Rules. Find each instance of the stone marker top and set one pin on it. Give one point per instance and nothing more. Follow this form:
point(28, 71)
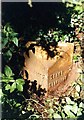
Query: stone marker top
point(65, 50)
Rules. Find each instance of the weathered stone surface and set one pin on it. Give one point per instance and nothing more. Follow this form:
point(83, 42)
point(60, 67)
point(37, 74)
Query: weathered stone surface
point(62, 88)
point(49, 72)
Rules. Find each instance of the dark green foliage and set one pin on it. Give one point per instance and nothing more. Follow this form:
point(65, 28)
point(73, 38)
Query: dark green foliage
point(28, 21)
point(9, 42)
point(15, 90)
point(12, 49)
point(18, 96)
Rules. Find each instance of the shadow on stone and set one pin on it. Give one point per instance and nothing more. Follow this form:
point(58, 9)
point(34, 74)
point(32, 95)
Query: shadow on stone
point(49, 47)
point(30, 88)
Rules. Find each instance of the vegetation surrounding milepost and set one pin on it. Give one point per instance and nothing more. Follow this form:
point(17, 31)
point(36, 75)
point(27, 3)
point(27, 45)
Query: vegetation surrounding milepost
point(47, 23)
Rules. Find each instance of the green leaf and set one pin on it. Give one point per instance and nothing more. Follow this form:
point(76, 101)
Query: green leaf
point(7, 79)
point(1, 93)
point(2, 75)
point(48, 101)
point(75, 57)
point(67, 110)
point(20, 81)
point(78, 88)
point(8, 71)
point(70, 114)
point(8, 55)
point(74, 108)
point(18, 104)
point(23, 112)
point(4, 42)
point(56, 115)
point(8, 28)
point(50, 116)
point(19, 87)
point(13, 87)
point(69, 101)
point(4, 29)
point(54, 33)
point(81, 105)
point(51, 111)
point(63, 115)
point(7, 87)
point(79, 112)
point(7, 34)
point(15, 41)
point(76, 95)
point(13, 34)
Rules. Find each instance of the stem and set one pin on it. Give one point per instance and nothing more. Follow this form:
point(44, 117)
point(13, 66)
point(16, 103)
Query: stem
point(35, 102)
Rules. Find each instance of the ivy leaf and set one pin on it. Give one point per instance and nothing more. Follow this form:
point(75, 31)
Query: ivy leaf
point(47, 101)
point(79, 112)
point(7, 80)
point(81, 105)
point(70, 114)
point(13, 87)
point(69, 101)
point(78, 88)
point(19, 87)
point(67, 110)
point(15, 41)
point(20, 81)
point(50, 104)
point(50, 116)
point(8, 55)
point(56, 115)
point(8, 71)
point(18, 104)
point(74, 108)
point(75, 58)
point(7, 34)
point(8, 28)
point(51, 111)
point(76, 95)
point(63, 115)
point(7, 87)
point(2, 75)
point(4, 42)
point(13, 34)
point(1, 93)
